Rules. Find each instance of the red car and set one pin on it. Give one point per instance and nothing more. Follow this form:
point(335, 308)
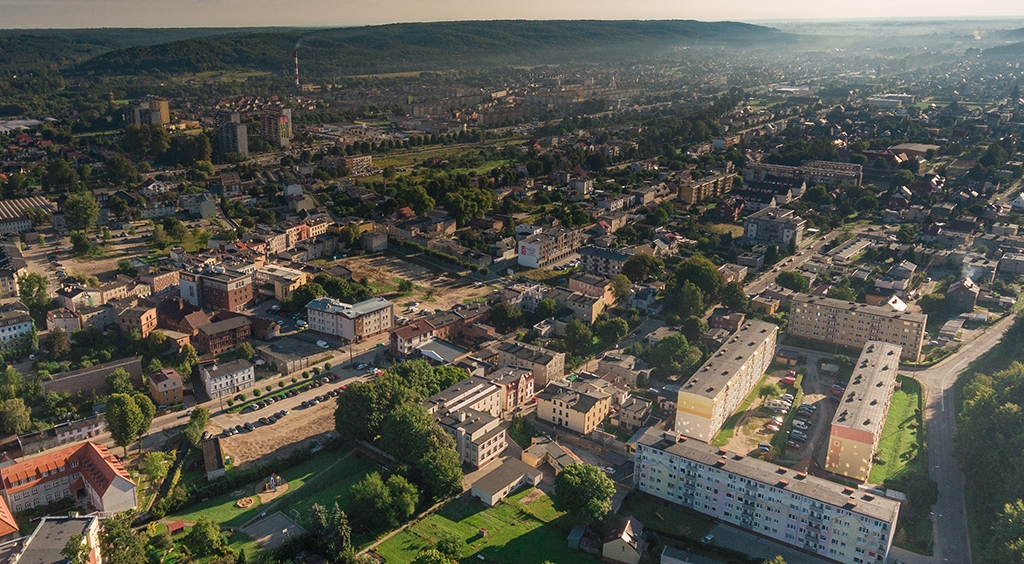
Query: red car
point(788, 380)
point(793, 445)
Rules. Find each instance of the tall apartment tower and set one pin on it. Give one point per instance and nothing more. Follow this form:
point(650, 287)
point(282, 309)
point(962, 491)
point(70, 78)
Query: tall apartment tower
point(232, 134)
point(277, 126)
point(150, 110)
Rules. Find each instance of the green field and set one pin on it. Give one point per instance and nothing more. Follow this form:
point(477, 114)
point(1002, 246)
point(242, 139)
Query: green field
point(902, 433)
point(517, 532)
point(326, 489)
point(666, 517)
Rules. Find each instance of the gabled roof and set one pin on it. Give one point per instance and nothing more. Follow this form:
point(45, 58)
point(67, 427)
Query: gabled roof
point(97, 465)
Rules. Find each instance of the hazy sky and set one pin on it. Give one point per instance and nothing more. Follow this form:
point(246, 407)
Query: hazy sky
point(215, 13)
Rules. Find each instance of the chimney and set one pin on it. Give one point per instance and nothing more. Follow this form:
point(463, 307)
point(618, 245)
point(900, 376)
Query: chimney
point(462, 417)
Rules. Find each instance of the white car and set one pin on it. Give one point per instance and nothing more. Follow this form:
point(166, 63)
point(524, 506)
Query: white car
point(323, 344)
point(300, 323)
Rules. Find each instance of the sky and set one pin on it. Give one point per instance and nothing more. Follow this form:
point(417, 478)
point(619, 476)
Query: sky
point(231, 13)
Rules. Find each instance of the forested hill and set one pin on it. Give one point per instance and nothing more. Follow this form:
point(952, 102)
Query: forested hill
point(428, 46)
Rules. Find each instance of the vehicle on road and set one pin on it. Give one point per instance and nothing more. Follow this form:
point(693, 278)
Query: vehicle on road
point(323, 344)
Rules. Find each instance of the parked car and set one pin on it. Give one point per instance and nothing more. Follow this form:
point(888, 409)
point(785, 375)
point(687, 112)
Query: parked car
point(799, 424)
point(793, 445)
point(764, 447)
point(773, 428)
point(788, 381)
point(708, 539)
point(323, 344)
point(264, 420)
point(787, 397)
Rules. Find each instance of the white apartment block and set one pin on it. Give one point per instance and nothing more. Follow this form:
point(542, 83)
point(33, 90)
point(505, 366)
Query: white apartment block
point(549, 248)
point(228, 379)
point(718, 387)
point(851, 324)
point(835, 522)
point(354, 322)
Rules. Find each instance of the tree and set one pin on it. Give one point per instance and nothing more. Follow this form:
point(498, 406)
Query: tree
point(175, 228)
point(933, 304)
point(1008, 534)
point(303, 295)
point(611, 330)
point(405, 285)
point(406, 432)
point(441, 472)
point(373, 501)
point(448, 544)
point(734, 296)
point(196, 425)
point(621, 286)
point(363, 406)
point(124, 266)
point(15, 417)
point(769, 390)
point(32, 291)
point(245, 351)
point(59, 176)
point(205, 538)
point(120, 171)
point(902, 177)
point(124, 420)
point(81, 211)
point(546, 308)
point(148, 409)
point(693, 328)
point(75, 550)
point(120, 382)
point(330, 529)
point(842, 291)
point(793, 280)
point(578, 337)
point(60, 343)
point(118, 207)
point(584, 491)
point(690, 300)
point(159, 237)
point(433, 556)
point(642, 267)
point(154, 465)
point(702, 273)
point(506, 316)
point(119, 544)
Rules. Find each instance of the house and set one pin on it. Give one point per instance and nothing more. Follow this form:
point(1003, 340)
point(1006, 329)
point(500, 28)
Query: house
point(579, 406)
point(545, 365)
point(732, 272)
point(723, 318)
point(543, 450)
point(223, 336)
point(213, 459)
point(165, 387)
point(178, 315)
point(962, 296)
point(625, 543)
point(141, 319)
point(63, 319)
point(594, 286)
point(632, 413)
point(227, 379)
point(516, 386)
point(87, 472)
point(621, 367)
point(497, 484)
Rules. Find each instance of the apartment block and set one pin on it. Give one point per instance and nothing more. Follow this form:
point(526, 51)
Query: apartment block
point(834, 522)
point(216, 288)
point(151, 110)
point(718, 387)
point(476, 393)
point(600, 261)
point(222, 336)
point(16, 328)
point(276, 126)
point(141, 319)
point(595, 286)
point(231, 134)
point(479, 437)
point(579, 406)
point(850, 324)
point(774, 226)
point(860, 417)
point(279, 281)
point(354, 322)
point(831, 174)
point(85, 471)
point(549, 247)
point(228, 379)
point(714, 185)
point(546, 365)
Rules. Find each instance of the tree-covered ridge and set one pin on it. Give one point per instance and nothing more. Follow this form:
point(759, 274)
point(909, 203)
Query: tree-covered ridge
point(425, 46)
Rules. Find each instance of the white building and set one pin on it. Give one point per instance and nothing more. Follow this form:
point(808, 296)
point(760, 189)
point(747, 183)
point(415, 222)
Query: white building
point(833, 521)
point(354, 322)
point(223, 380)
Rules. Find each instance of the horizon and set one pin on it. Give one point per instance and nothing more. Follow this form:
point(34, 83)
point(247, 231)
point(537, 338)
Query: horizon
point(151, 14)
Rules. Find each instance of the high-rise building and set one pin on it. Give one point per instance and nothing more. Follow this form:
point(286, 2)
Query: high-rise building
point(774, 226)
point(860, 417)
point(833, 521)
point(151, 110)
point(852, 325)
point(232, 134)
point(276, 126)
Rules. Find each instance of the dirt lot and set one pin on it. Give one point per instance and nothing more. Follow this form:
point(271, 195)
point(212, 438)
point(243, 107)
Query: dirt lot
point(292, 432)
point(434, 289)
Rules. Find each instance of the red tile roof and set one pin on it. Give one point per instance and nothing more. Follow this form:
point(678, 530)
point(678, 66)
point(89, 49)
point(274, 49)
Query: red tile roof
point(7, 523)
point(97, 465)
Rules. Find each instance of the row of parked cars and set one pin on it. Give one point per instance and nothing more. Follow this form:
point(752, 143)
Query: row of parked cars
point(249, 426)
point(797, 435)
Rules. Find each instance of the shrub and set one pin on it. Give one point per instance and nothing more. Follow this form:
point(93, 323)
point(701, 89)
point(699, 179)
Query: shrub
point(231, 402)
point(327, 366)
point(280, 384)
point(294, 379)
point(316, 370)
point(305, 374)
point(268, 387)
point(257, 392)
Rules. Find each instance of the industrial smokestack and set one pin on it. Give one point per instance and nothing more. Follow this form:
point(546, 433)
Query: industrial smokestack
point(296, 68)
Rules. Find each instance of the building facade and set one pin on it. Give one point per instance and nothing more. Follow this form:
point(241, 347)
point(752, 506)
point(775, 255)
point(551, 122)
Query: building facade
point(832, 521)
point(228, 379)
point(718, 387)
point(546, 365)
point(860, 417)
point(354, 322)
point(549, 247)
point(276, 126)
point(216, 288)
point(852, 325)
point(774, 226)
point(165, 387)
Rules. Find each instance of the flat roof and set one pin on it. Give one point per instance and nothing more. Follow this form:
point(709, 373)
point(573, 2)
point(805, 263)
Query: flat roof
point(713, 376)
point(812, 487)
point(351, 311)
point(510, 471)
point(44, 546)
point(859, 308)
point(866, 400)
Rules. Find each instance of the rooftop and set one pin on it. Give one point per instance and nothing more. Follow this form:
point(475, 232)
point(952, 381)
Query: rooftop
point(351, 311)
point(508, 472)
point(229, 324)
point(224, 369)
point(866, 400)
point(799, 299)
point(52, 534)
point(715, 374)
point(836, 495)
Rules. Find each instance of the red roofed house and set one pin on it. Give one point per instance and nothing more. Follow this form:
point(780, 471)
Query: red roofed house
point(8, 526)
point(87, 472)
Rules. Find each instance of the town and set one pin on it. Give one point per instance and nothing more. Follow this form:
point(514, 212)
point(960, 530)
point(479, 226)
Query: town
point(739, 307)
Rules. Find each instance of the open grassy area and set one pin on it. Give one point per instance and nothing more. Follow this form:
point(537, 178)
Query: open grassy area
point(730, 424)
point(333, 487)
point(546, 276)
point(902, 436)
point(665, 517)
point(223, 510)
point(523, 529)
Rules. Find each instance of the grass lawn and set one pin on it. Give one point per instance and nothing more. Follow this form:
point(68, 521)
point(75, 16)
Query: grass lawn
point(903, 429)
point(665, 517)
point(730, 424)
point(333, 487)
point(517, 532)
point(546, 276)
point(222, 509)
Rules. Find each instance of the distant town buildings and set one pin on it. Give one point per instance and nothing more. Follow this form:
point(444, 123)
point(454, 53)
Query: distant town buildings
point(151, 110)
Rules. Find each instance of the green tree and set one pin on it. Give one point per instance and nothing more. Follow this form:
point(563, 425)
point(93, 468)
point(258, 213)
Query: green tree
point(693, 328)
point(124, 420)
point(441, 472)
point(674, 355)
point(642, 267)
point(303, 295)
point(793, 280)
point(584, 491)
point(15, 417)
point(75, 551)
point(611, 330)
point(690, 300)
point(407, 433)
point(902, 177)
point(330, 529)
point(777, 560)
point(59, 176)
point(196, 425)
point(405, 286)
point(433, 556)
point(506, 316)
point(363, 406)
point(120, 382)
point(124, 266)
point(769, 390)
point(371, 503)
point(578, 337)
point(734, 296)
point(159, 237)
point(205, 539)
point(546, 308)
point(448, 544)
point(60, 343)
point(154, 465)
point(119, 543)
point(1008, 535)
point(702, 273)
point(81, 211)
point(32, 292)
point(842, 291)
point(121, 172)
point(175, 228)
point(933, 304)
point(118, 207)
point(245, 351)
point(621, 286)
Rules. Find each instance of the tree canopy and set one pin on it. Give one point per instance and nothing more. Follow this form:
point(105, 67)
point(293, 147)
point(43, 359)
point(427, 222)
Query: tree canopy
point(584, 491)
